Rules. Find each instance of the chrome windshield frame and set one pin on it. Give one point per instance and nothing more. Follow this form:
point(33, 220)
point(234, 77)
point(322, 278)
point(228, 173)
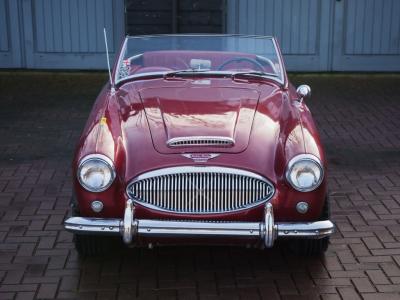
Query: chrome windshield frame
point(280, 78)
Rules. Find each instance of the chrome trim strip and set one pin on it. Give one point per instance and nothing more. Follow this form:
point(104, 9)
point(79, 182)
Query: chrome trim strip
point(151, 206)
point(205, 141)
point(82, 225)
point(212, 178)
point(267, 231)
point(119, 61)
point(280, 80)
point(200, 34)
point(192, 229)
point(283, 78)
point(162, 73)
point(164, 228)
point(318, 229)
point(198, 169)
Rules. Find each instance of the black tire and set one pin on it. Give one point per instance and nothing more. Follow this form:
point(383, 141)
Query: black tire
point(90, 245)
point(313, 247)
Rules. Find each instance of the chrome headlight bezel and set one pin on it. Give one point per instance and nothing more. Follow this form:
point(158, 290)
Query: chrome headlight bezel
point(307, 158)
point(99, 158)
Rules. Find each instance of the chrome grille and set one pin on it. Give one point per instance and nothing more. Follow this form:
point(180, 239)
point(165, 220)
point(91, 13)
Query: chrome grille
point(209, 141)
point(200, 189)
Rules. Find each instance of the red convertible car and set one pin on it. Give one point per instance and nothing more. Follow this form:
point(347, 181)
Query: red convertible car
point(200, 139)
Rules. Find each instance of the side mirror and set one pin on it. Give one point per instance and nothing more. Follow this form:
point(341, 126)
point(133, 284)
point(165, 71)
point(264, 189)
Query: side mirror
point(304, 92)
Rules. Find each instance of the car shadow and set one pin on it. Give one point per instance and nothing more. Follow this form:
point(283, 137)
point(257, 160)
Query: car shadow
point(168, 267)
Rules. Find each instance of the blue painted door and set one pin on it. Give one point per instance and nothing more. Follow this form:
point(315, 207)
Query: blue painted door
point(301, 27)
point(325, 35)
point(366, 35)
point(69, 33)
point(10, 48)
point(62, 34)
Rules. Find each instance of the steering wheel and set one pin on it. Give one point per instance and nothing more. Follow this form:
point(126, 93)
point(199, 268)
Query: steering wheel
point(239, 59)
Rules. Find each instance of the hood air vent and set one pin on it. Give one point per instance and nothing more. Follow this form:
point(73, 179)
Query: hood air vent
point(206, 141)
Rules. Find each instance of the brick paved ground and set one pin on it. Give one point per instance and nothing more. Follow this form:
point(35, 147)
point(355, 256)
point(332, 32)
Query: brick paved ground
point(41, 116)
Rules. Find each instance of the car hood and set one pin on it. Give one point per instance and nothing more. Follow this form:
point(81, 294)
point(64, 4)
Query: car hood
point(258, 116)
point(199, 118)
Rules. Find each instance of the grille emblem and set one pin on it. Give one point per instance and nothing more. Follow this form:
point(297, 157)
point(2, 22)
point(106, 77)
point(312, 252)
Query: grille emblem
point(200, 157)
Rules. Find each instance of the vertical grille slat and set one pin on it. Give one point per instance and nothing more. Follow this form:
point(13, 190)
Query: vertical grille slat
point(235, 190)
point(200, 192)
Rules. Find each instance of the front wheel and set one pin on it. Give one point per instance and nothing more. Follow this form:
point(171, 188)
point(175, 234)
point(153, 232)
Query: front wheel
point(91, 245)
point(313, 247)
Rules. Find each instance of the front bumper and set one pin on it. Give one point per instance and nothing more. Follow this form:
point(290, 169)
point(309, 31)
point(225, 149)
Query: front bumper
point(267, 231)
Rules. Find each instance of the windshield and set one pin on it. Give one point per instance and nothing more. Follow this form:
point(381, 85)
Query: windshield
point(210, 54)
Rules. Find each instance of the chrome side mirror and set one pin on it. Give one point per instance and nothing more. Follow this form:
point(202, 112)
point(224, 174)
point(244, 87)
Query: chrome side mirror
point(304, 92)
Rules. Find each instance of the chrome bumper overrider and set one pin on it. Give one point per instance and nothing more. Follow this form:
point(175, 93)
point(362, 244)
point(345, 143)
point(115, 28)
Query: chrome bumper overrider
point(130, 228)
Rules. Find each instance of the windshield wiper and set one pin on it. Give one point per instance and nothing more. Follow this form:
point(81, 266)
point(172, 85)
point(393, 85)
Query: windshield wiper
point(185, 71)
point(254, 74)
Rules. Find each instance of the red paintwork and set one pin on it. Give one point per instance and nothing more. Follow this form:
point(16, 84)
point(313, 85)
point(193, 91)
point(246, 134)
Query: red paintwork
point(186, 108)
point(268, 125)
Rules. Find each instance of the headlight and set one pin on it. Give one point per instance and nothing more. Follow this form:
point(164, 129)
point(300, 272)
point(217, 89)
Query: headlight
point(304, 172)
point(96, 172)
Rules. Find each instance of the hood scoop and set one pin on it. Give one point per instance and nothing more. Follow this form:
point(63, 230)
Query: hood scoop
point(199, 119)
point(196, 141)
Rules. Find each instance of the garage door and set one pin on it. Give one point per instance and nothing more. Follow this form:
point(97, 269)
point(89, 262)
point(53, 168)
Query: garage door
point(367, 35)
point(325, 35)
point(301, 27)
point(63, 34)
point(10, 54)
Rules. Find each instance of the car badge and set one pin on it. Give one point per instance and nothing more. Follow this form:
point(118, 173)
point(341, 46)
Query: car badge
point(200, 157)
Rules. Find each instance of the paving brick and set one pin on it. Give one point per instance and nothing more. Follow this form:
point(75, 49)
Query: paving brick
point(348, 293)
point(372, 243)
point(7, 295)
point(26, 249)
point(13, 277)
point(363, 285)
point(18, 287)
point(381, 296)
point(360, 250)
point(47, 291)
point(377, 277)
point(25, 295)
point(390, 269)
point(331, 297)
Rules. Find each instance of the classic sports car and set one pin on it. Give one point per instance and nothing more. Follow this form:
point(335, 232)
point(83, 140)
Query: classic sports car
point(200, 139)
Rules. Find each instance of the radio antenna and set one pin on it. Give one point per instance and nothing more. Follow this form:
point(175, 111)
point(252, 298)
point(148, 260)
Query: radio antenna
point(108, 61)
